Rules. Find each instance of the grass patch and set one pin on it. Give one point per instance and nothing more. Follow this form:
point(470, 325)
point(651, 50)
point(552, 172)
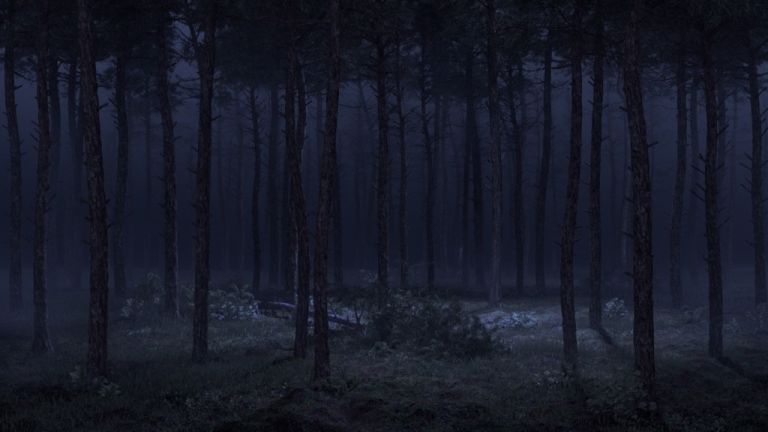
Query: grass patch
point(250, 382)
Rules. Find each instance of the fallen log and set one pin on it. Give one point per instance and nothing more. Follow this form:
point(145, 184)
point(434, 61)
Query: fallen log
point(272, 308)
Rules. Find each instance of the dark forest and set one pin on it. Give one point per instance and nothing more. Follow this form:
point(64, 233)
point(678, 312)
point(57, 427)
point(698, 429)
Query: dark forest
point(383, 215)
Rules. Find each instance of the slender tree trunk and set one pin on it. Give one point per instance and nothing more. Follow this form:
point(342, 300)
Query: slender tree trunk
point(273, 221)
point(41, 341)
point(382, 178)
point(149, 252)
point(171, 255)
point(675, 283)
point(338, 238)
point(206, 65)
point(293, 135)
point(517, 174)
point(595, 166)
point(255, 221)
point(545, 163)
point(222, 183)
point(470, 140)
point(756, 182)
point(429, 174)
point(495, 140)
point(121, 184)
point(477, 203)
point(711, 209)
point(403, 193)
point(15, 284)
point(429, 213)
point(239, 243)
point(77, 214)
point(57, 213)
point(568, 239)
point(694, 243)
point(97, 201)
point(322, 367)
point(642, 268)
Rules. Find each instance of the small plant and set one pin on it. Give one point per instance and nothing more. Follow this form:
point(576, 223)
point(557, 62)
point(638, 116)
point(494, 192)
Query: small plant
point(233, 303)
point(615, 308)
point(431, 327)
point(515, 320)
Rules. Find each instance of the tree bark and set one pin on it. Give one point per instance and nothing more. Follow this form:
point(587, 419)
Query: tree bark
point(711, 209)
point(478, 208)
point(429, 203)
point(642, 267)
point(294, 136)
point(495, 124)
point(149, 252)
point(206, 65)
point(170, 233)
point(470, 140)
point(97, 201)
point(273, 221)
point(54, 99)
point(568, 239)
point(518, 131)
point(41, 341)
point(675, 283)
point(14, 243)
point(382, 177)
point(322, 366)
point(121, 183)
point(255, 220)
point(756, 181)
point(595, 166)
point(403, 192)
point(694, 218)
point(544, 167)
point(77, 212)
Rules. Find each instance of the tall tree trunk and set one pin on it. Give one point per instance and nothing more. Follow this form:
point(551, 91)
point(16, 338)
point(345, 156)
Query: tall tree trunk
point(675, 283)
point(518, 130)
point(478, 207)
point(293, 136)
point(382, 178)
point(429, 174)
point(322, 367)
point(273, 220)
point(149, 252)
point(97, 201)
point(338, 238)
point(642, 268)
point(568, 239)
point(495, 124)
point(403, 192)
point(595, 165)
point(254, 111)
point(540, 254)
point(77, 214)
point(694, 218)
point(711, 209)
point(239, 156)
point(756, 182)
point(57, 213)
point(41, 341)
point(206, 65)
point(470, 140)
point(121, 184)
point(14, 253)
point(170, 234)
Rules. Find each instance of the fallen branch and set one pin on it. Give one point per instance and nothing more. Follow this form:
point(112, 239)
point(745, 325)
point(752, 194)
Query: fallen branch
point(273, 308)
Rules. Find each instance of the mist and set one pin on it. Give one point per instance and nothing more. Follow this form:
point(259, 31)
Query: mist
point(383, 215)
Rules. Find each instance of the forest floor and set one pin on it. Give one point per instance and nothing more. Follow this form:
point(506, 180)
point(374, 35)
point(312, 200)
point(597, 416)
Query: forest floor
point(250, 382)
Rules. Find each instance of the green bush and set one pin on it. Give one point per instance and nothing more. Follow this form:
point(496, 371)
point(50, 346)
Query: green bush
point(429, 326)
